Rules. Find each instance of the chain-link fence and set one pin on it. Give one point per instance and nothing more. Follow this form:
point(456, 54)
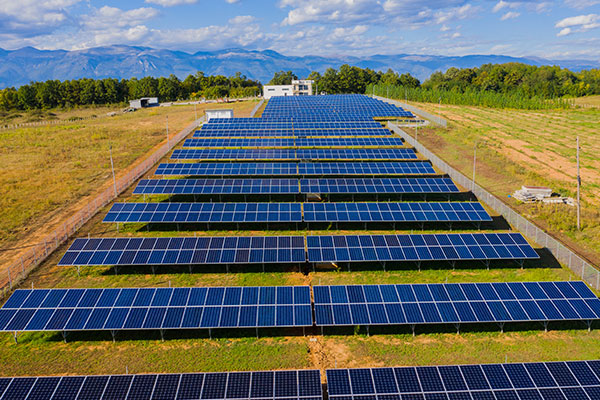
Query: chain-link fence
point(562, 253)
point(18, 271)
point(433, 118)
point(256, 107)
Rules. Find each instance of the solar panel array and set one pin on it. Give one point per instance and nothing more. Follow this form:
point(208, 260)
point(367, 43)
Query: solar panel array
point(455, 303)
point(291, 154)
point(290, 133)
point(265, 124)
point(296, 143)
point(394, 212)
point(571, 380)
point(156, 308)
point(260, 385)
point(429, 247)
point(296, 169)
point(295, 212)
point(295, 186)
point(185, 251)
point(291, 249)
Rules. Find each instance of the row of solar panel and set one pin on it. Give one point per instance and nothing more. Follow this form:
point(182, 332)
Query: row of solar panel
point(296, 212)
point(321, 142)
point(260, 385)
point(289, 154)
point(281, 133)
point(301, 168)
point(307, 118)
point(291, 249)
point(297, 186)
point(458, 303)
point(571, 380)
point(220, 307)
point(262, 124)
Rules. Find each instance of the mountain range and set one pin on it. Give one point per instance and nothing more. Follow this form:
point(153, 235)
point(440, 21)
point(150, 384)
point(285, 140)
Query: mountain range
point(18, 67)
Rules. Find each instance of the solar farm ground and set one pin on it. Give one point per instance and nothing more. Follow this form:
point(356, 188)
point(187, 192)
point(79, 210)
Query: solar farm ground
point(231, 350)
point(536, 148)
point(50, 171)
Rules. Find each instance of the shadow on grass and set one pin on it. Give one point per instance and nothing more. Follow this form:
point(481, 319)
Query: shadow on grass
point(247, 333)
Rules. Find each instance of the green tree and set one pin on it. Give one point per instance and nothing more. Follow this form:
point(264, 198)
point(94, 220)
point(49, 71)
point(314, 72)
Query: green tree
point(283, 78)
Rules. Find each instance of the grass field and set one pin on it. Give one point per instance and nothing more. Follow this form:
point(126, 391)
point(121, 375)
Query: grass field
point(138, 352)
point(516, 147)
point(47, 171)
point(588, 101)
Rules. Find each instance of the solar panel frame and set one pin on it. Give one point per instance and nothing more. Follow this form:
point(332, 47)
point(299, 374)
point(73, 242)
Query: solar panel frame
point(476, 381)
point(164, 309)
point(295, 154)
point(190, 386)
point(185, 251)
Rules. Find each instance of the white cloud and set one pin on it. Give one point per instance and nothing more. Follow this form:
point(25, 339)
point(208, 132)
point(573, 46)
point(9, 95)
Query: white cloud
point(500, 5)
point(510, 15)
point(580, 4)
point(171, 3)
point(30, 17)
point(580, 23)
point(232, 1)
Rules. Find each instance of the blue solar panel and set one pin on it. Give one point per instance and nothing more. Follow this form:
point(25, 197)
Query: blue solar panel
point(395, 212)
point(297, 169)
point(378, 185)
point(294, 186)
point(217, 186)
point(576, 380)
point(290, 133)
point(157, 308)
point(413, 304)
point(204, 212)
point(185, 250)
point(295, 212)
point(301, 385)
point(291, 154)
point(295, 143)
point(429, 247)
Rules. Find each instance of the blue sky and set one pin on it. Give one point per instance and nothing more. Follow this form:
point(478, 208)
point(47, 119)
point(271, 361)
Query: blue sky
point(551, 29)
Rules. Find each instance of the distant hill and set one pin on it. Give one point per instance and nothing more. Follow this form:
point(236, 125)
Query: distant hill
point(18, 67)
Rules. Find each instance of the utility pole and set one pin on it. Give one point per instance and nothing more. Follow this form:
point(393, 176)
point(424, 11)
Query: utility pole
point(195, 112)
point(112, 166)
point(167, 131)
point(578, 190)
point(388, 92)
point(416, 133)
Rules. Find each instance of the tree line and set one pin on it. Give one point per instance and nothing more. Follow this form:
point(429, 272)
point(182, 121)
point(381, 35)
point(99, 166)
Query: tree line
point(348, 79)
point(55, 93)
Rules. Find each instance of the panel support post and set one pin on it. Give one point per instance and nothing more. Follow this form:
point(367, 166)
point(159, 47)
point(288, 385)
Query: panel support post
point(368, 334)
point(64, 335)
point(545, 326)
point(501, 325)
point(210, 333)
point(227, 268)
point(113, 334)
point(16, 337)
point(457, 326)
point(589, 325)
point(412, 327)
point(162, 335)
point(78, 272)
point(256, 333)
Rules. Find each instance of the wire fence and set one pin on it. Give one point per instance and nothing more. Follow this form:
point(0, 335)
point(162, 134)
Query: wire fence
point(19, 270)
point(561, 252)
point(255, 109)
point(4, 127)
point(433, 118)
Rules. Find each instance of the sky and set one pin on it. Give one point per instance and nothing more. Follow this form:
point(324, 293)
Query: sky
point(561, 29)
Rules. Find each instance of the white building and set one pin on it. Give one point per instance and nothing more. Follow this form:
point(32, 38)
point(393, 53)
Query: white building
point(277, 90)
point(219, 113)
point(299, 87)
point(144, 102)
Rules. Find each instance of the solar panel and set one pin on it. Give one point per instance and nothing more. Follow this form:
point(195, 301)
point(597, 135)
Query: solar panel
point(428, 247)
point(217, 186)
point(295, 186)
point(297, 169)
point(228, 169)
point(156, 308)
point(204, 212)
point(295, 143)
point(293, 212)
point(301, 385)
point(395, 212)
point(289, 133)
point(456, 303)
point(290, 154)
point(185, 250)
point(378, 185)
point(576, 380)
